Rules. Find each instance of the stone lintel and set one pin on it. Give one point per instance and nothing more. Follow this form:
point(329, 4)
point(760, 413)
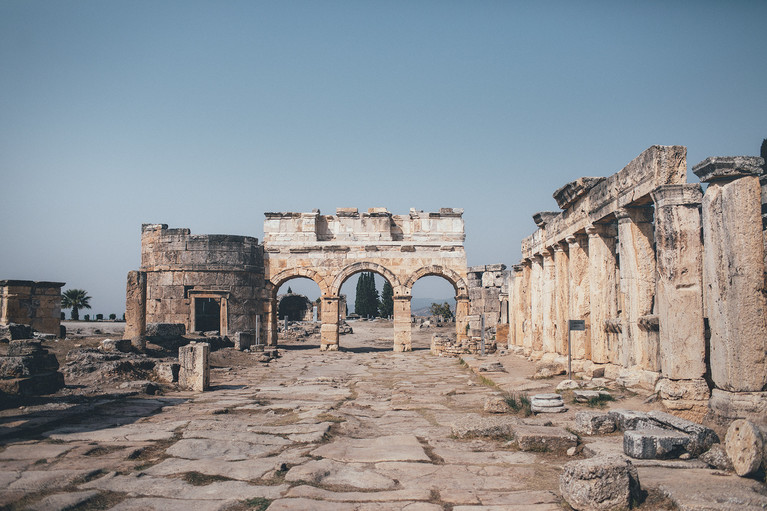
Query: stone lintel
point(572, 191)
point(457, 212)
point(718, 168)
point(347, 212)
point(543, 217)
point(677, 195)
point(35, 283)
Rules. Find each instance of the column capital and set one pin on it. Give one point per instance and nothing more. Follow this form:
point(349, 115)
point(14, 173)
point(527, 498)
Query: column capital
point(560, 246)
point(719, 168)
point(518, 268)
point(546, 253)
point(677, 195)
point(635, 214)
point(601, 230)
point(575, 240)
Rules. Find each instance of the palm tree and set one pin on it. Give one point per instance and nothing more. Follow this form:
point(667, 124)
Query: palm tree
point(75, 299)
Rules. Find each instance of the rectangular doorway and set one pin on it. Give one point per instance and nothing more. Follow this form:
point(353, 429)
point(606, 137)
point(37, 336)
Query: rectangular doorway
point(207, 314)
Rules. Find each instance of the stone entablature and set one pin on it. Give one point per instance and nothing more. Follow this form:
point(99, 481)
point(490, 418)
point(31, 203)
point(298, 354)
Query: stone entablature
point(27, 302)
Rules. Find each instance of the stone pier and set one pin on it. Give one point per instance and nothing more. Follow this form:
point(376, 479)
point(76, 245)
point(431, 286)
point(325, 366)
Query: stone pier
point(194, 373)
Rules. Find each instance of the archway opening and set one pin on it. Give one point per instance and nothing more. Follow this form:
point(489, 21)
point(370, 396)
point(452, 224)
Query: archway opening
point(370, 304)
point(433, 306)
point(296, 302)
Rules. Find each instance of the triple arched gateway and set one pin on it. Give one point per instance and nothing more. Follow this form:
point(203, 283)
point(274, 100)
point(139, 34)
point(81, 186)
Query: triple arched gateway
point(329, 249)
point(230, 283)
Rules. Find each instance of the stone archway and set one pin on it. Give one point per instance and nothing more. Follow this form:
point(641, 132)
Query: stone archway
point(461, 292)
point(328, 249)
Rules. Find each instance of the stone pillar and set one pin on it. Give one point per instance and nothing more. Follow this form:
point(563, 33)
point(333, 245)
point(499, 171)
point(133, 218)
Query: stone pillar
point(271, 322)
point(135, 309)
point(194, 371)
point(679, 295)
point(562, 296)
point(526, 307)
point(329, 328)
point(462, 306)
point(603, 299)
point(734, 275)
point(516, 331)
point(580, 294)
point(536, 306)
point(402, 323)
point(637, 285)
point(548, 287)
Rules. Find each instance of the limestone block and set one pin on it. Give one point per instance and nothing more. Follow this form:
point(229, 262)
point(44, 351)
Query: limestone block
point(194, 372)
point(740, 405)
point(734, 268)
point(654, 443)
point(543, 438)
point(121, 345)
point(476, 426)
point(591, 422)
point(745, 447)
point(701, 437)
point(23, 347)
point(27, 365)
point(165, 330)
point(601, 483)
point(626, 420)
point(167, 372)
point(496, 404)
point(244, 340)
point(717, 458)
point(13, 331)
point(41, 383)
point(718, 168)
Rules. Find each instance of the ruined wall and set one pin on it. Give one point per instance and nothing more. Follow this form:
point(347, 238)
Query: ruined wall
point(26, 302)
point(627, 256)
point(180, 267)
point(488, 295)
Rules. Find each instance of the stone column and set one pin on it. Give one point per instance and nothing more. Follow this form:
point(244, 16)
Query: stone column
point(516, 326)
point(194, 371)
point(271, 322)
point(580, 294)
point(549, 288)
point(679, 295)
point(135, 309)
point(526, 306)
point(462, 305)
point(329, 328)
point(603, 298)
point(402, 323)
point(734, 278)
point(536, 306)
point(562, 293)
point(637, 285)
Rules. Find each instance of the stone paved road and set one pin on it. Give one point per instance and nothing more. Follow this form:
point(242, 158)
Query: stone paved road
point(360, 429)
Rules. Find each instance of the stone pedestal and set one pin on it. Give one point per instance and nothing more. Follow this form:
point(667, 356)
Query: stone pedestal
point(548, 287)
point(637, 284)
point(135, 309)
point(734, 272)
point(580, 294)
point(679, 287)
point(402, 323)
point(603, 298)
point(329, 328)
point(561, 297)
point(194, 371)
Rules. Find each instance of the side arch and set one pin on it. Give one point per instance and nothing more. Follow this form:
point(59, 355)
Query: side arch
point(350, 270)
point(285, 275)
point(450, 275)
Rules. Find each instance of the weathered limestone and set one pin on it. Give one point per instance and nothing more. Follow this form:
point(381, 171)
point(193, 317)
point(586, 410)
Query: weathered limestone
point(744, 444)
point(579, 294)
point(194, 372)
point(26, 302)
point(603, 298)
point(329, 328)
point(526, 300)
point(601, 483)
point(518, 292)
point(536, 306)
point(561, 298)
point(402, 323)
point(135, 309)
point(29, 369)
point(548, 299)
point(637, 284)
point(734, 272)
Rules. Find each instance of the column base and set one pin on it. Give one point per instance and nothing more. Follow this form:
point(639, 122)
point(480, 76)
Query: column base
point(687, 399)
point(138, 342)
point(403, 347)
point(328, 347)
point(740, 405)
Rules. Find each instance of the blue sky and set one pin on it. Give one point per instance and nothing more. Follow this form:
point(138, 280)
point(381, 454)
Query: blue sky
point(206, 114)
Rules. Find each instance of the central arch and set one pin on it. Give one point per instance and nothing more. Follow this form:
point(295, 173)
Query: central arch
point(343, 275)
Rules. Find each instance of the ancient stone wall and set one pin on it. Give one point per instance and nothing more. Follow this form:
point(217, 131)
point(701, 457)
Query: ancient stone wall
point(182, 272)
point(488, 295)
point(643, 259)
point(37, 304)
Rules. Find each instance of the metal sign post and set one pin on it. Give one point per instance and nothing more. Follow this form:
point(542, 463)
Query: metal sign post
point(577, 325)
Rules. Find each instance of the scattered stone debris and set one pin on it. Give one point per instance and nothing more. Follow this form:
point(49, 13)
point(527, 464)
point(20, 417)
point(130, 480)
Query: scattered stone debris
point(14, 331)
point(29, 369)
point(492, 367)
point(602, 483)
point(476, 426)
point(585, 396)
point(543, 438)
point(717, 457)
point(744, 443)
point(591, 422)
point(121, 345)
point(447, 346)
point(496, 404)
point(547, 403)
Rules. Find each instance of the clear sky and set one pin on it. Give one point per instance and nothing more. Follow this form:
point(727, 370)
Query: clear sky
point(206, 114)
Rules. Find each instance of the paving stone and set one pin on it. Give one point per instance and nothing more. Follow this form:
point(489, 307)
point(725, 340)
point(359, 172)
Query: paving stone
point(387, 448)
point(302, 504)
point(41, 480)
point(246, 470)
point(312, 492)
point(203, 448)
point(155, 504)
point(477, 426)
point(63, 501)
point(332, 473)
point(36, 451)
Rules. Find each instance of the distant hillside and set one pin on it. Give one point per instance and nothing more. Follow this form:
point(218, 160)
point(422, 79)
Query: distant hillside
point(420, 306)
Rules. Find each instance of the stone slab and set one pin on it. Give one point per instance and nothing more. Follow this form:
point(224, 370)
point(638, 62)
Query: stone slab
point(543, 438)
point(387, 448)
point(203, 448)
point(333, 473)
point(654, 443)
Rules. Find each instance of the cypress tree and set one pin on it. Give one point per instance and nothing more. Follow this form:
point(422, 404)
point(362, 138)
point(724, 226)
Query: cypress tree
point(386, 307)
point(360, 295)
